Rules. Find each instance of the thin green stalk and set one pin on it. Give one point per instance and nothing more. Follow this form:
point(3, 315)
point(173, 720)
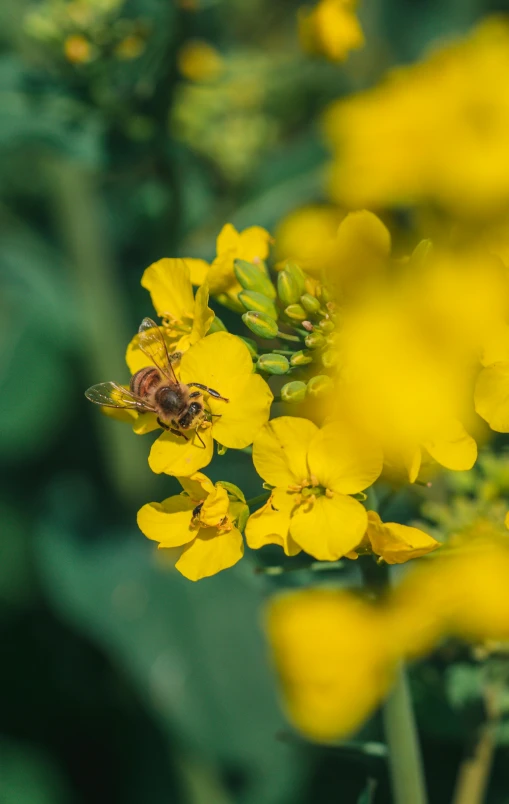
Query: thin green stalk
point(286, 337)
point(260, 499)
point(405, 763)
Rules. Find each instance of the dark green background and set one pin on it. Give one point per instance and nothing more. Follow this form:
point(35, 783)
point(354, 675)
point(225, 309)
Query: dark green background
point(120, 681)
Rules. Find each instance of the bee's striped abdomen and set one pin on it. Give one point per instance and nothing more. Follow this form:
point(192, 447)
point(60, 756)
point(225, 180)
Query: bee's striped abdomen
point(145, 381)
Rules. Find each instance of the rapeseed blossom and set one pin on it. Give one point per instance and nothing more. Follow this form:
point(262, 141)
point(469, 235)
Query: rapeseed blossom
point(435, 131)
point(330, 29)
point(314, 473)
point(202, 522)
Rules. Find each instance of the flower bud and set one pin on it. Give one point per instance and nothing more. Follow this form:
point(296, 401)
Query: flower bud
point(326, 326)
point(253, 277)
point(295, 312)
point(310, 303)
point(261, 324)
point(258, 302)
point(319, 385)
point(288, 288)
point(273, 364)
point(329, 358)
point(325, 295)
point(298, 275)
point(293, 391)
point(251, 345)
point(314, 340)
point(301, 358)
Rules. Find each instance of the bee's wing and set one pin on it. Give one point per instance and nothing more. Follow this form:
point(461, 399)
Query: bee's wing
point(153, 345)
point(113, 395)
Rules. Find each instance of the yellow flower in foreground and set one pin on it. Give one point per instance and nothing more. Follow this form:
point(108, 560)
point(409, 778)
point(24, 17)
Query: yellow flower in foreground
point(222, 362)
point(393, 542)
point(335, 658)
point(331, 29)
point(251, 245)
point(186, 318)
point(314, 472)
point(201, 521)
point(492, 394)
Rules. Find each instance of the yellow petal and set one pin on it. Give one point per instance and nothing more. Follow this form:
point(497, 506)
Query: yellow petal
point(222, 362)
point(452, 447)
point(210, 553)
point(203, 315)
point(280, 450)
point(342, 460)
point(221, 277)
point(335, 657)
point(170, 288)
point(197, 487)
point(198, 270)
point(174, 456)
point(492, 396)
point(330, 527)
point(271, 523)
point(227, 239)
point(169, 522)
point(215, 507)
point(145, 423)
point(253, 244)
point(398, 543)
point(413, 464)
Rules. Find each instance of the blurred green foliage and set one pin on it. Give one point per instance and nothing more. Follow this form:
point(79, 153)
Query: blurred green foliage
point(121, 681)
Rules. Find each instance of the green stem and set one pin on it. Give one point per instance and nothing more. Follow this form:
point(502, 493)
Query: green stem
point(286, 337)
point(405, 763)
point(315, 566)
point(260, 499)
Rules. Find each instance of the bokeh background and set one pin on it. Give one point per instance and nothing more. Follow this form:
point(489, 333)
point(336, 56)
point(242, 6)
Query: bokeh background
point(122, 140)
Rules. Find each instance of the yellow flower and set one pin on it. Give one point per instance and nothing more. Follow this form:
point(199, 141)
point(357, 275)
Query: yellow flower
point(463, 593)
point(314, 472)
point(222, 362)
point(77, 49)
point(251, 245)
point(335, 657)
point(492, 395)
point(186, 319)
point(306, 234)
point(330, 29)
point(199, 61)
point(201, 521)
point(393, 542)
point(434, 131)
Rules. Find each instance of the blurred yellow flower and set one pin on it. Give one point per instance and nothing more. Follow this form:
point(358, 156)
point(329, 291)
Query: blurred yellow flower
point(130, 48)
point(199, 61)
point(222, 362)
point(434, 131)
point(78, 49)
point(251, 244)
point(335, 658)
point(314, 472)
point(330, 29)
point(392, 542)
point(202, 522)
point(186, 318)
point(306, 234)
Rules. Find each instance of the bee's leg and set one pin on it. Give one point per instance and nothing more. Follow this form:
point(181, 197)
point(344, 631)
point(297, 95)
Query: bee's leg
point(199, 436)
point(178, 433)
point(162, 424)
point(210, 391)
point(194, 394)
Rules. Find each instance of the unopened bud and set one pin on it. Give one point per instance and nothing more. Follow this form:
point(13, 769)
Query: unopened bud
point(288, 288)
point(295, 312)
point(298, 274)
point(301, 358)
point(326, 326)
point(314, 340)
point(273, 364)
point(329, 358)
point(319, 385)
point(293, 391)
point(253, 277)
point(261, 324)
point(251, 345)
point(325, 295)
point(258, 302)
point(310, 303)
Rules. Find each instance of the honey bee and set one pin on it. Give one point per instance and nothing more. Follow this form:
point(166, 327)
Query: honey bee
point(155, 389)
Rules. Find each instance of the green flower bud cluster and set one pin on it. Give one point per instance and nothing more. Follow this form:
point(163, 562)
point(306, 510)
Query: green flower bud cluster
point(296, 309)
